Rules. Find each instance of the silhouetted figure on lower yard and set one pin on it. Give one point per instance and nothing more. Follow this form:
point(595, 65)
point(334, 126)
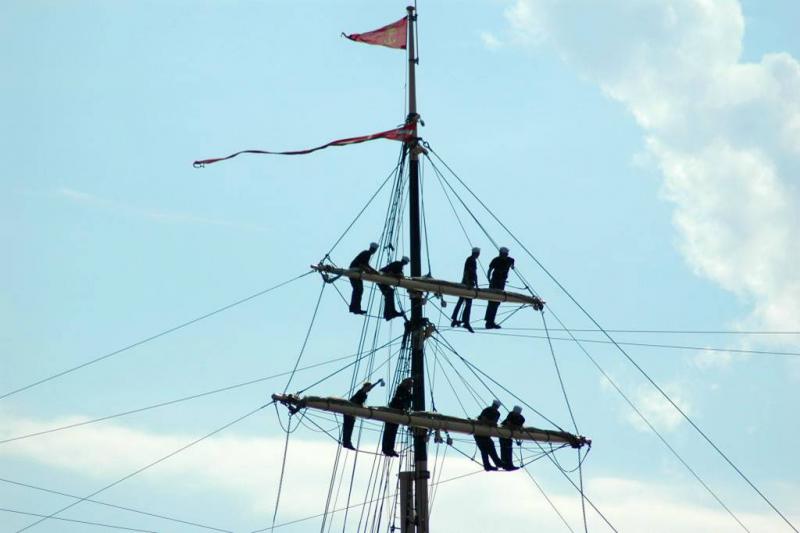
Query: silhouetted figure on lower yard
point(402, 401)
point(489, 417)
point(348, 421)
point(514, 420)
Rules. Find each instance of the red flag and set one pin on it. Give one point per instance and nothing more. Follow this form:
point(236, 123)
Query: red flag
point(393, 35)
point(402, 134)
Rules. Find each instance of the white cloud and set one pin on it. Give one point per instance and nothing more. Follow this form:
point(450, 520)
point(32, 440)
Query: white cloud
point(247, 468)
point(724, 133)
point(709, 360)
point(490, 41)
point(657, 409)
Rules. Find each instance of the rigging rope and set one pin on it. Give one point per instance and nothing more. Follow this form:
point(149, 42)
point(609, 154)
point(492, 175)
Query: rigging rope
point(153, 337)
point(111, 505)
point(283, 469)
point(305, 341)
point(76, 521)
point(142, 469)
point(588, 315)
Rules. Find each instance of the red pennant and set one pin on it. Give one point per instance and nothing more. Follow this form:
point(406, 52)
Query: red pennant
point(393, 35)
point(402, 134)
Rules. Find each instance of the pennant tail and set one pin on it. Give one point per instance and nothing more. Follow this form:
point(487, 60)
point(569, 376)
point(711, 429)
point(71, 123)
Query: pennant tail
point(402, 134)
point(394, 35)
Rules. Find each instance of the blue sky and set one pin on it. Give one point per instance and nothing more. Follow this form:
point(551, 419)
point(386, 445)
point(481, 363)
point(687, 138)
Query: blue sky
point(646, 152)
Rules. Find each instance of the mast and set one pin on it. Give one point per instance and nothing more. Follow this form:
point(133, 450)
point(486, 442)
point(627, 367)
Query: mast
point(421, 473)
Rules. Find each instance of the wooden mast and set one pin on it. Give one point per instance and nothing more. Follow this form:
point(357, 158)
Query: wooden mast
point(421, 473)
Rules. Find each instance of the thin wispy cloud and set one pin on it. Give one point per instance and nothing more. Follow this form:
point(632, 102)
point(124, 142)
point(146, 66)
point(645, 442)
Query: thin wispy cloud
point(247, 469)
point(157, 215)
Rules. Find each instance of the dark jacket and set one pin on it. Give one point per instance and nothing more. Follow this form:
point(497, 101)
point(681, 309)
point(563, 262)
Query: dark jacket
point(470, 277)
point(361, 395)
point(402, 398)
point(362, 260)
point(395, 267)
point(499, 267)
point(513, 420)
point(490, 415)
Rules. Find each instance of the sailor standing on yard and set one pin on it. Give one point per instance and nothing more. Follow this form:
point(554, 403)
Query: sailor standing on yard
point(348, 421)
point(394, 268)
point(470, 279)
point(497, 274)
point(361, 262)
point(514, 420)
point(401, 400)
point(489, 417)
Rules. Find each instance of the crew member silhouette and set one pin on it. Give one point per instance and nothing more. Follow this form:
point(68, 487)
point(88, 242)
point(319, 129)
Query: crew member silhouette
point(497, 274)
point(349, 421)
point(470, 279)
point(514, 420)
point(361, 262)
point(394, 268)
point(489, 417)
point(402, 401)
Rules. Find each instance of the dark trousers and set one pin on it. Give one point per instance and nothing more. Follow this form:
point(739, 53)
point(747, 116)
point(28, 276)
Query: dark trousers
point(358, 291)
point(467, 310)
point(486, 446)
point(389, 310)
point(389, 436)
point(491, 308)
point(347, 429)
point(506, 451)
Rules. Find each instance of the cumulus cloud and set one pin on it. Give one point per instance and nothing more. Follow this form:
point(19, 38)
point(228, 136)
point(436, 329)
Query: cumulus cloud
point(248, 468)
point(724, 133)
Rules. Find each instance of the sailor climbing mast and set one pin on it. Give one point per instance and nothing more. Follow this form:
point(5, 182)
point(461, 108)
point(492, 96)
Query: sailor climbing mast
point(421, 473)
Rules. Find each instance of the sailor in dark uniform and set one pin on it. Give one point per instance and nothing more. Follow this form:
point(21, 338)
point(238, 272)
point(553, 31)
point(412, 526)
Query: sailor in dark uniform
point(470, 279)
point(497, 274)
point(490, 417)
point(348, 421)
point(395, 268)
point(402, 401)
point(514, 420)
point(360, 262)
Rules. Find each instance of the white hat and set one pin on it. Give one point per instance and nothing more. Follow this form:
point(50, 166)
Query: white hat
point(373, 246)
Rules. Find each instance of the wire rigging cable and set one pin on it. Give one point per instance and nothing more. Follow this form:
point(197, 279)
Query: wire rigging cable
point(506, 333)
point(142, 469)
point(156, 336)
point(76, 521)
point(588, 315)
point(113, 506)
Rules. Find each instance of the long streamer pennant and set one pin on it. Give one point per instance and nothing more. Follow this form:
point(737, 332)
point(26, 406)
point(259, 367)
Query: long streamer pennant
point(402, 134)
